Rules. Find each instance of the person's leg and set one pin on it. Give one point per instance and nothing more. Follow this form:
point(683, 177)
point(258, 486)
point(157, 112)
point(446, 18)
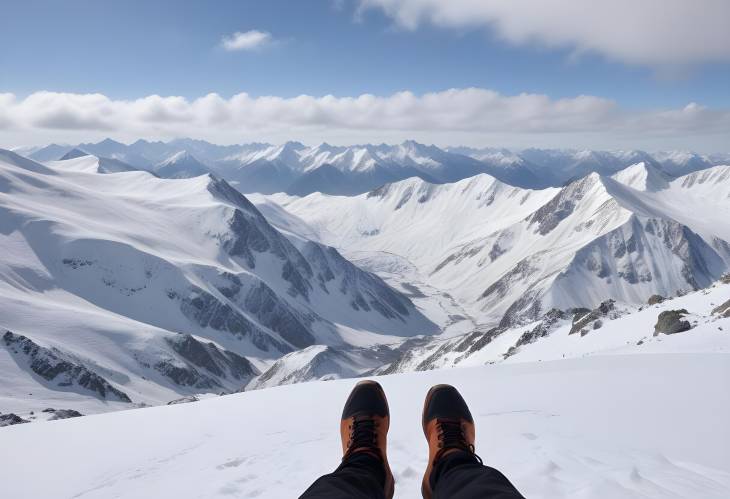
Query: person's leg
point(454, 470)
point(460, 475)
point(360, 477)
point(364, 472)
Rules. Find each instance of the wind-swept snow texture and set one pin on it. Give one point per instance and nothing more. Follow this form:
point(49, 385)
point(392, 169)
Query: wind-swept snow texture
point(605, 427)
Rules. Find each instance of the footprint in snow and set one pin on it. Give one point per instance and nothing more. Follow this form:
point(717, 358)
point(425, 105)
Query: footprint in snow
point(233, 463)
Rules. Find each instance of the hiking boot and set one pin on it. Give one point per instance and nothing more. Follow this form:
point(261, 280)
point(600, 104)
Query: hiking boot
point(448, 426)
point(364, 426)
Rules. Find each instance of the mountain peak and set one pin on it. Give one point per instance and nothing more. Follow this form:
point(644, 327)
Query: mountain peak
point(182, 164)
point(180, 156)
point(110, 142)
point(642, 176)
point(293, 145)
point(73, 154)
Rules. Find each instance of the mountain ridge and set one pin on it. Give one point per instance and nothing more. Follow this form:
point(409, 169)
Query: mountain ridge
point(295, 168)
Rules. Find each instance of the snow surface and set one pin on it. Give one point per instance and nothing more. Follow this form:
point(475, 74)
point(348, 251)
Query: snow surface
point(610, 427)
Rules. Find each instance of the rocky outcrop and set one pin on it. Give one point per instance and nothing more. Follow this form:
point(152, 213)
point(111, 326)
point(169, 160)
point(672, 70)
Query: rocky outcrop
point(11, 419)
point(655, 299)
point(550, 323)
point(260, 301)
point(60, 369)
point(192, 363)
point(251, 234)
point(206, 310)
point(423, 354)
point(222, 363)
point(184, 400)
point(562, 205)
point(722, 310)
point(582, 320)
point(672, 322)
point(185, 375)
point(64, 414)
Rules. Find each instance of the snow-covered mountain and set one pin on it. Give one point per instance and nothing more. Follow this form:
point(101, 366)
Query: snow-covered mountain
point(683, 162)
point(149, 288)
point(510, 254)
point(180, 165)
point(557, 167)
point(80, 161)
point(297, 169)
point(300, 170)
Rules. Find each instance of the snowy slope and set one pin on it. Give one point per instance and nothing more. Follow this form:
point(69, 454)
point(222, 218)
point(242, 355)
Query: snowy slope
point(103, 272)
point(610, 328)
point(614, 328)
point(643, 177)
point(415, 218)
point(88, 163)
point(618, 426)
point(508, 254)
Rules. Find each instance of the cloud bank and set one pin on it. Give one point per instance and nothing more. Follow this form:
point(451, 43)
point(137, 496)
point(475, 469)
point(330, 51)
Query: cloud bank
point(249, 40)
point(644, 32)
point(472, 116)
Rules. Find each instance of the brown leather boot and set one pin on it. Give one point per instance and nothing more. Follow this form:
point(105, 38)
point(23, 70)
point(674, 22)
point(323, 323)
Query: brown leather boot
point(364, 426)
point(448, 426)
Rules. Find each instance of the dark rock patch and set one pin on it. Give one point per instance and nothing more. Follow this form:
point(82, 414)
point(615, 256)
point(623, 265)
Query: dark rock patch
point(184, 400)
point(722, 310)
point(672, 322)
point(65, 414)
point(581, 319)
point(222, 363)
point(11, 419)
point(655, 299)
point(550, 321)
point(55, 366)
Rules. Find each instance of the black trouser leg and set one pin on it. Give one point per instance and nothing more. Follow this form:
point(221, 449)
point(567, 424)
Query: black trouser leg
point(361, 476)
point(460, 476)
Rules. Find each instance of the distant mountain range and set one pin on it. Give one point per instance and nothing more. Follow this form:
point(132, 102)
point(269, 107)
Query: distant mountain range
point(347, 170)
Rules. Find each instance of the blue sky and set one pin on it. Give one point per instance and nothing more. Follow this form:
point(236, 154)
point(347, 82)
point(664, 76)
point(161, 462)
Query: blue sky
point(128, 50)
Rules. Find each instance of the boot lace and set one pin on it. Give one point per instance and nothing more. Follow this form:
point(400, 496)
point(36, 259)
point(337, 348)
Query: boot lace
point(363, 436)
point(451, 436)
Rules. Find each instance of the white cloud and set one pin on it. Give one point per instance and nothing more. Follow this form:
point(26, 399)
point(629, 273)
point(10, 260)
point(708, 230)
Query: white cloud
point(249, 40)
point(645, 32)
point(471, 116)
